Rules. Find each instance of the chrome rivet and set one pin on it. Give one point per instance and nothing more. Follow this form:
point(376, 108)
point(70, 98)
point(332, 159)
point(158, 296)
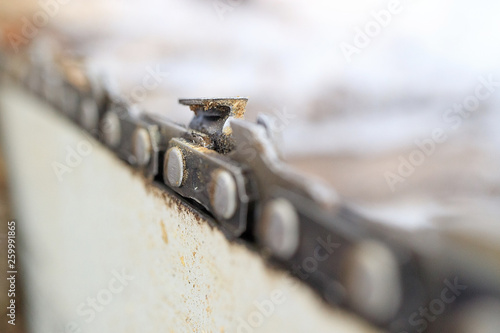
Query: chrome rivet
point(35, 81)
point(49, 87)
point(173, 168)
point(279, 228)
point(70, 101)
point(223, 195)
point(111, 129)
point(89, 113)
point(372, 281)
point(141, 146)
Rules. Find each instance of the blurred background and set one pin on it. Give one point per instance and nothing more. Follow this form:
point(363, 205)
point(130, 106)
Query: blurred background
point(392, 103)
point(352, 85)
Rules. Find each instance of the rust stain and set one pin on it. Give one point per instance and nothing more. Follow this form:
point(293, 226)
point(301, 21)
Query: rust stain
point(239, 108)
point(164, 235)
point(194, 254)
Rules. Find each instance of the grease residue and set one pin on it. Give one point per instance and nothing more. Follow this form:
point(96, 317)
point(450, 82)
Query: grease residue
point(164, 235)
